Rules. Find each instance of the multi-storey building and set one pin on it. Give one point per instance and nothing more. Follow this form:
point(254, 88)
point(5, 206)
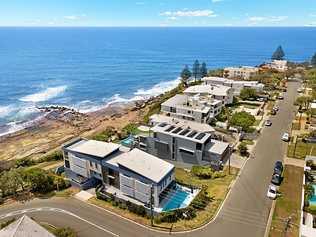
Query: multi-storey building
point(244, 72)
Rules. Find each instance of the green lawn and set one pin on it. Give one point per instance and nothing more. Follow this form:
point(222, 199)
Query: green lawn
point(257, 122)
point(217, 189)
point(302, 149)
point(296, 126)
point(289, 203)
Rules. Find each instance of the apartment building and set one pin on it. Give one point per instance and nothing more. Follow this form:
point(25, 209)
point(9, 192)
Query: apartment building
point(236, 86)
point(134, 173)
point(244, 72)
point(217, 92)
point(193, 108)
point(279, 65)
point(184, 145)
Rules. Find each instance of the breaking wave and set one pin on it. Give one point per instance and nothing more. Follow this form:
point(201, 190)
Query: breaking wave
point(44, 95)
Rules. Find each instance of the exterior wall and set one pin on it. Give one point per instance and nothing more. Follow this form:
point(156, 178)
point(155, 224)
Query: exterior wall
point(139, 187)
point(185, 113)
point(242, 72)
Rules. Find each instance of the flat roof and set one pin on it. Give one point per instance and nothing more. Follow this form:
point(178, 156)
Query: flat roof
point(230, 81)
point(144, 164)
point(201, 127)
point(175, 100)
point(218, 147)
point(209, 89)
point(176, 131)
point(94, 148)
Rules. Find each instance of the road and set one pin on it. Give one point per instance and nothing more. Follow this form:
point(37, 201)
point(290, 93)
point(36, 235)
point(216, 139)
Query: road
point(245, 211)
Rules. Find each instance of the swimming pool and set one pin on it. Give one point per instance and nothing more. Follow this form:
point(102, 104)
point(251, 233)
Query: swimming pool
point(181, 197)
point(312, 201)
point(128, 141)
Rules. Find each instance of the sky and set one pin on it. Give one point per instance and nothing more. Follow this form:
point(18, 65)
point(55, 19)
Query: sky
point(158, 13)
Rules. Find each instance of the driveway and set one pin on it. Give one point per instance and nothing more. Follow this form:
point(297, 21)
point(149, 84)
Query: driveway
point(244, 214)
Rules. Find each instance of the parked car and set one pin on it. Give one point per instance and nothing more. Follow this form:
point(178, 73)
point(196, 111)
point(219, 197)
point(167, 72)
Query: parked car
point(272, 192)
point(268, 123)
point(276, 108)
point(273, 112)
point(278, 167)
point(309, 139)
point(260, 99)
point(276, 179)
point(280, 97)
point(299, 90)
point(286, 137)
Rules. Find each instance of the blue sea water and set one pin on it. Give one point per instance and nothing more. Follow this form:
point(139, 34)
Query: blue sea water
point(86, 68)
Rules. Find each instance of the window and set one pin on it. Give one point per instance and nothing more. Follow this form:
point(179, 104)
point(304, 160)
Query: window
point(67, 164)
point(91, 163)
point(199, 146)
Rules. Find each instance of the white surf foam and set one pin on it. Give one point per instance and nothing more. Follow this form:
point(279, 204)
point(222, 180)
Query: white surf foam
point(6, 110)
point(44, 95)
point(158, 89)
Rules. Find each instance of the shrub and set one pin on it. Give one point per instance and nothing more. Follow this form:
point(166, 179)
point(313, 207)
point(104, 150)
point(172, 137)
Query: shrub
point(139, 210)
point(24, 162)
point(105, 135)
point(218, 174)
point(64, 232)
point(202, 172)
point(242, 148)
point(56, 155)
point(130, 129)
point(6, 223)
point(201, 200)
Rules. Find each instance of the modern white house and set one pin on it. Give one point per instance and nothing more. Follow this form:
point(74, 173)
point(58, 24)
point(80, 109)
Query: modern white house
point(218, 92)
point(184, 144)
point(237, 86)
point(132, 173)
point(243, 72)
point(279, 65)
point(193, 108)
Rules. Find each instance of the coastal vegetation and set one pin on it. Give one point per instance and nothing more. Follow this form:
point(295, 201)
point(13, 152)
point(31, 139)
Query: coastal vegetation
point(313, 60)
point(248, 93)
point(242, 120)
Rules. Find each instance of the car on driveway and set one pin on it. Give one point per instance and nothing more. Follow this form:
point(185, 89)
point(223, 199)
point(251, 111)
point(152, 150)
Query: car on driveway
point(276, 179)
point(278, 167)
point(272, 192)
point(268, 123)
point(286, 137)
point(280, 97)
point(273, 112)
point(276, 108)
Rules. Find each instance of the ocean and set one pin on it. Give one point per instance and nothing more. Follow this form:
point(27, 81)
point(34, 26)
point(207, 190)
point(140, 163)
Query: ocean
point(89, 68)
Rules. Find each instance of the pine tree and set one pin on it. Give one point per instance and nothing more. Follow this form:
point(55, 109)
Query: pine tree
point(185, 75)
point(313, 61)
point(203, 70)
point(196, 70)
point(278, 54)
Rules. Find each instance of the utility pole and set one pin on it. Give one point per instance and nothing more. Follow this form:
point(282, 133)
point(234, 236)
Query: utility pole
point(151, 206)
point(295, 146)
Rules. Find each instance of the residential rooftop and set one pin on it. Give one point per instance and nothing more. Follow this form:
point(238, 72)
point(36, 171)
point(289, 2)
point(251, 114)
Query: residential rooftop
point(201, 127)
point(182, 132)
point(230, 81)
point(94, 148)
point(217, 147)
point(217, 90)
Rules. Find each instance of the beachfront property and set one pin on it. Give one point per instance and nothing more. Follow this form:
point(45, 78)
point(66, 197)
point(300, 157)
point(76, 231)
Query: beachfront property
point(184, 145)
point(243, 72)
point(278, 65)
point(130, 174)
point(217, 92)
point(193, 108)
point(237, 86)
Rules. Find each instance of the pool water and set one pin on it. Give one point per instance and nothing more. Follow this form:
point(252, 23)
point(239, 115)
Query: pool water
point(128, 141)
point(312, 201)
point(179, 199)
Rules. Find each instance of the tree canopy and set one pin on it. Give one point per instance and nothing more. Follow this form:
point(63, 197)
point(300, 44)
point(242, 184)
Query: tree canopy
point(248, 93)
point(278, 54)
point(203, 70)
point(185, 74)
point(313, 61)
point(196, 71)
point(242, 119)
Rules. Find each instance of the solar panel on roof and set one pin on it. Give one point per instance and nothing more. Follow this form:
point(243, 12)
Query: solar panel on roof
point(200, 136)
point(192, 134)
point(162, 125)
point(177, 130)
point(184, 132)
point(170, 128)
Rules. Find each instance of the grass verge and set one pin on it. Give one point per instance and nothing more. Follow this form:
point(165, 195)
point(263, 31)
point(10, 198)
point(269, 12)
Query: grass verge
point(289, 203)
point(302, 149)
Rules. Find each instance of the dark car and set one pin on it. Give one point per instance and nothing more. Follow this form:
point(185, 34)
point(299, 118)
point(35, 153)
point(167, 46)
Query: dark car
point(278, 167)
point(273, 112)
point(276, 179)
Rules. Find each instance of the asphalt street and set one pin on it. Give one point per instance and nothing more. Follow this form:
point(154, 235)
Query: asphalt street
point(244, 213)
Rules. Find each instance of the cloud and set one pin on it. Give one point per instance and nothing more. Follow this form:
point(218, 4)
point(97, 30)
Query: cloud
point(74, 17)
point(266, 19)
point(140, 3)
point(187, 13)
point(312, 15)
point(216, 1)
point(313, 24)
